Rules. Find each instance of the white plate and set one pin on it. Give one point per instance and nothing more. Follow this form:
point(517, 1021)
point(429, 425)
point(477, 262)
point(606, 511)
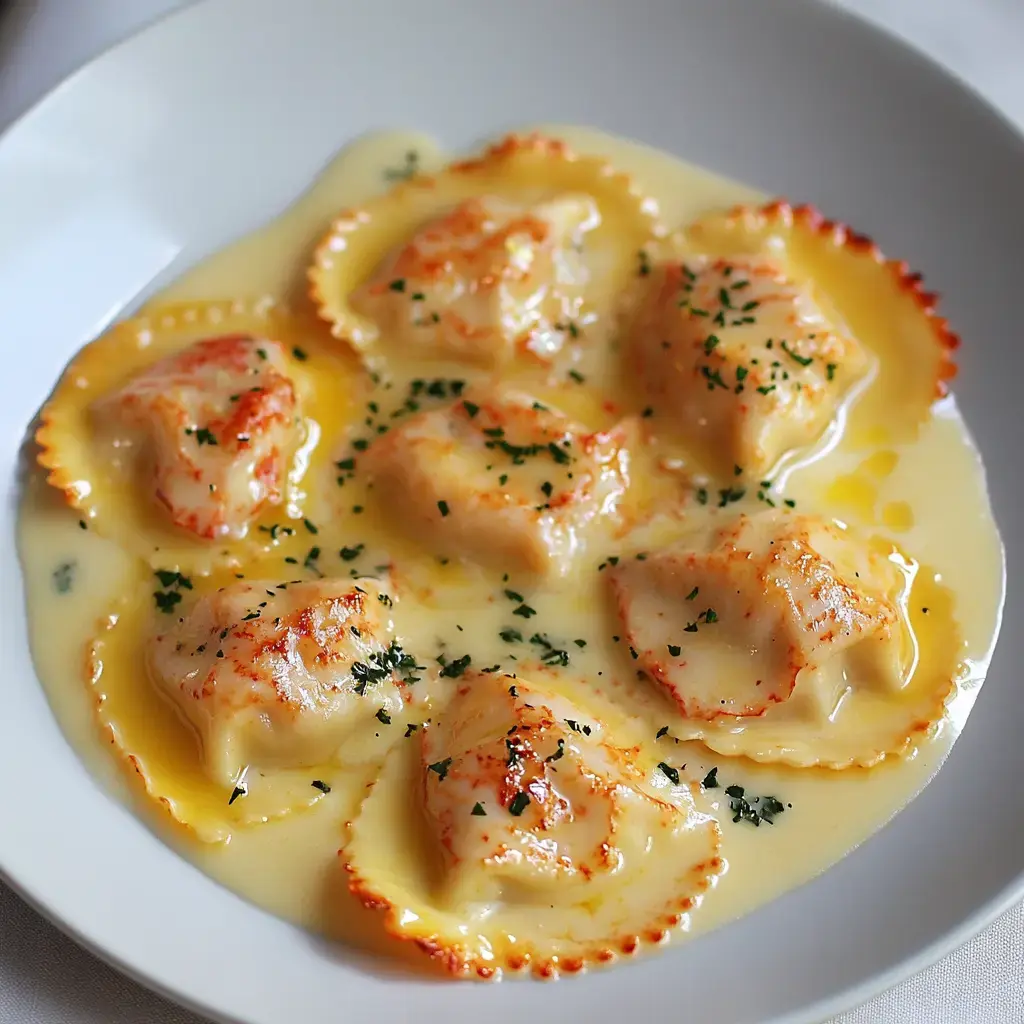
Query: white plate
point(206, 125)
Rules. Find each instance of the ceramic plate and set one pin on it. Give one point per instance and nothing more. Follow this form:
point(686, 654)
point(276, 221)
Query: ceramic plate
point(211, 122)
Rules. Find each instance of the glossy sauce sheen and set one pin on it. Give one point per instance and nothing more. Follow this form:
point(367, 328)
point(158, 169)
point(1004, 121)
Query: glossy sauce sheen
point(922, 491)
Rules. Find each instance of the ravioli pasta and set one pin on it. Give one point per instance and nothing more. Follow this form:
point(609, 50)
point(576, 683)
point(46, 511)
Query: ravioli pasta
point(540, 575)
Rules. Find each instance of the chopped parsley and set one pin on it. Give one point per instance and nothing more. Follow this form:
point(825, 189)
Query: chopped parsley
point(455, 668)
point(519, 804)
point(714, 378)
point(558, 754)
point(693, 593)
point(383, 717)
point(276, 529)
point(240, 790)
point(321, 785)
point(675, 650)
point(558, 453)
point(442, 507)
point(471, 408)
point(351, 554)
point(64, 577)
point(173, 583)
point(802, 360)
point(409, 169)
point(478, 810)
point(381, 664)
point(711, 779)
point(753, 810)
point(310, 560)
point(299, 354)
point(440, 768)
point(203, 435)
point(670, 773)
point(552, 655)
point(663, 731)
point(511, 636)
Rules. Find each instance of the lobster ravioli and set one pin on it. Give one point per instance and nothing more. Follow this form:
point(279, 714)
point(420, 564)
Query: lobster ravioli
point(780, 636)
point(500, 478)
point(218, 419)
point(555, 846)
point(259, 681)
point(509, 255)
point(739, 360)
point(275, 674)
point(181, 431)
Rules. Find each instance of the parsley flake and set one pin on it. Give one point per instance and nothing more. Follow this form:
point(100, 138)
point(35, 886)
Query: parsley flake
point(519, 804)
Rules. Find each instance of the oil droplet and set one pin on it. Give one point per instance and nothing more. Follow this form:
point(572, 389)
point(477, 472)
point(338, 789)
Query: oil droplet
point(853, 496)
point(873, 436)
point(898, 515)
point(881, 464)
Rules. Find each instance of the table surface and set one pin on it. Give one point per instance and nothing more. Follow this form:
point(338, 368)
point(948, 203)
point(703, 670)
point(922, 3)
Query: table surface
point(44, 977)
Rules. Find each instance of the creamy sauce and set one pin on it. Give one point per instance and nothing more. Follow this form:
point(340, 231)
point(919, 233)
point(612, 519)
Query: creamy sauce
point(923, 491)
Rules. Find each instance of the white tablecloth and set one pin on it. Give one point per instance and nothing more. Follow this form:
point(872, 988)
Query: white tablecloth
point(44, 977)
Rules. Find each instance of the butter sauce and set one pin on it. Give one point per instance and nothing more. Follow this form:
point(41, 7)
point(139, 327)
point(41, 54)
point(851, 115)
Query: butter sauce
point(927, 493)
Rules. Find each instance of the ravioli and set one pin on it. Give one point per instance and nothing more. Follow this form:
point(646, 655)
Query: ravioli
point(261, 683)
point(500, 478)
point(484, 280)
point(552, 847)
point(739, 360)
point(781, 637)
point(220, 418)
point(881, 302)
point(183, 429)
point(501, 257)
point(273, 675)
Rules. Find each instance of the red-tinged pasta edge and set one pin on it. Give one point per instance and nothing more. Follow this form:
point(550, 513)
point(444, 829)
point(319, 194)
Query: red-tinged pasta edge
point(908, 282)
point(62, 415)
point(460, 962)
point(505, 151)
